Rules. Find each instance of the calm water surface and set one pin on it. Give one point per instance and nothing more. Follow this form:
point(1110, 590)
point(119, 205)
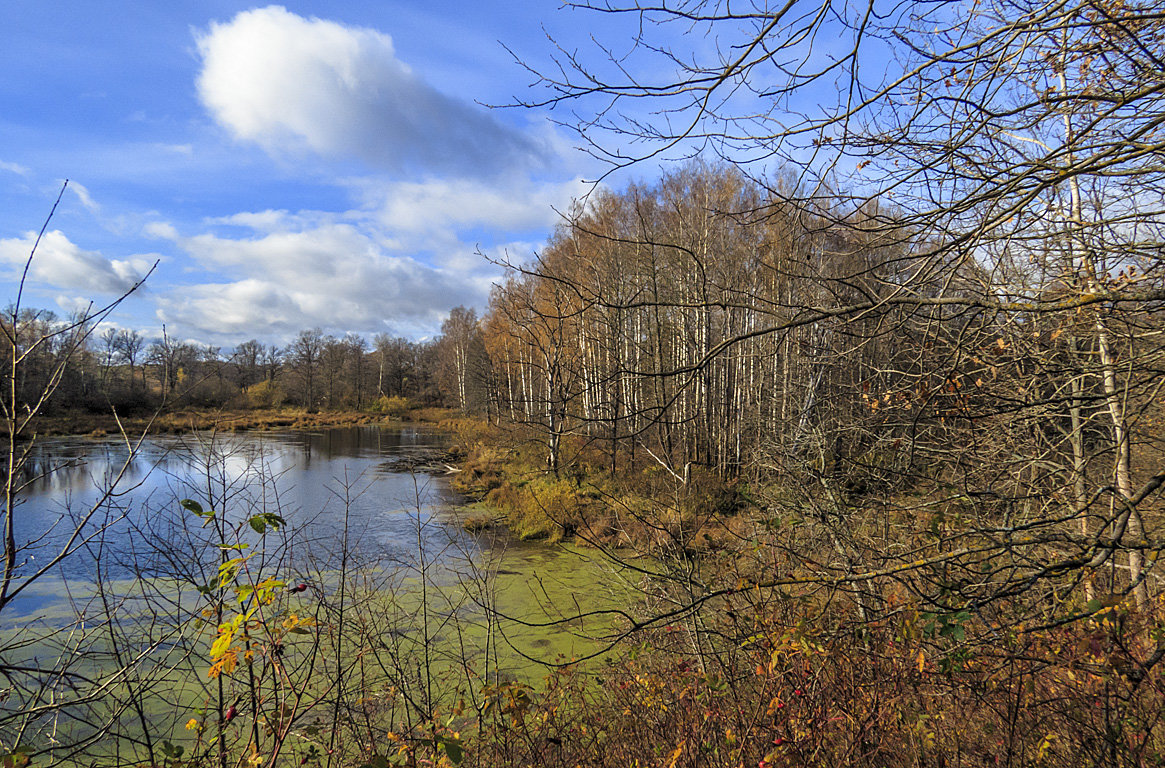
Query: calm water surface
point(322, 482)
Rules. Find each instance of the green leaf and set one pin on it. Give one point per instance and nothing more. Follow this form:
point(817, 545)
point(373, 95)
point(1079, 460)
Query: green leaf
point(453, 749)
point(227, 570)
point(193, 506)
point(265, 520)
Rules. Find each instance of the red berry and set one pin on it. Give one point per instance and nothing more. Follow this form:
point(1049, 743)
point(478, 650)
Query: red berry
point(229, 714)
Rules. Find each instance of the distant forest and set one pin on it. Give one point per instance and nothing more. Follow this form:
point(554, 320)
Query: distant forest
point(123, 369)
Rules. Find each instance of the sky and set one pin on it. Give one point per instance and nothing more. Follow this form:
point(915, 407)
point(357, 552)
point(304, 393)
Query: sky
point(286, 166)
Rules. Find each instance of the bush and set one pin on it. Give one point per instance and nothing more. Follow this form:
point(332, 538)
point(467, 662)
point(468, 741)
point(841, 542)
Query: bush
point(395, 407)
point(546, 509)
point(265, 394)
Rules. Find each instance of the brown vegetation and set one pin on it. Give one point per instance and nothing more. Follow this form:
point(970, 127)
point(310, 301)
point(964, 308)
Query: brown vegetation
point(187, 419)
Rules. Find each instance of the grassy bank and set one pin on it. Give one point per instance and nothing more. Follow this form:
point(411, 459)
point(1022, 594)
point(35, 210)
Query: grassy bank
point(85, 423)
point(633, 503)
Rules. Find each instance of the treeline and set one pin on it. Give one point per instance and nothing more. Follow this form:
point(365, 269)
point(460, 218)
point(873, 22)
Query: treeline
point(701, 319)
point(710, 322)
point(696, 320)
point(123, 369)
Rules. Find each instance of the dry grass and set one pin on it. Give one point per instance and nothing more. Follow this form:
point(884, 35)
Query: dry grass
point(101, 424)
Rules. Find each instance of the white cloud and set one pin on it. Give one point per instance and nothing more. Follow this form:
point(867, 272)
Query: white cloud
point(260, 221)
point(333, 276)
point(74, 305)
point(162, 230)
point(16, 168)
point(457, 204)
point(291, 84)
point(62, 264)
point(400, 260)
point(83, 195)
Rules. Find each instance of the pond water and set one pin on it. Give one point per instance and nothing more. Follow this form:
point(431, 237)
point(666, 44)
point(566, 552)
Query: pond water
point(118, 635)
point(312, 479)
point(339, 490)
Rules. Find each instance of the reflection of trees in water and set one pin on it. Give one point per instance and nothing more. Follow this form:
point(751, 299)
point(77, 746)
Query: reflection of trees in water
point(61, 467)
point(357, 442)
point(143, 533)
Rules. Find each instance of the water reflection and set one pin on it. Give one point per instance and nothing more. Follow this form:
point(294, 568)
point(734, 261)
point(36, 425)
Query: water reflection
point(125, 503)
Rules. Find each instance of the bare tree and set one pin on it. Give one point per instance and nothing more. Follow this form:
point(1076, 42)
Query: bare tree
point(305, 355)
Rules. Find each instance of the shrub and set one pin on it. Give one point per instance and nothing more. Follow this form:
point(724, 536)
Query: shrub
point(265, 394)
point(546, 508)
point(395, 407)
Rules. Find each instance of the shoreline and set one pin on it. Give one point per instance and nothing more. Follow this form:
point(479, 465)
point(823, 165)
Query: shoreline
point(105, 424)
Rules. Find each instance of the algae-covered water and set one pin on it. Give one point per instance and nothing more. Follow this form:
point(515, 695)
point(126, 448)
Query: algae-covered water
point(357, 534)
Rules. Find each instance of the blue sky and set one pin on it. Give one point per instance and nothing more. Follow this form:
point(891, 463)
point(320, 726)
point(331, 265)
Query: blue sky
point(309, 164)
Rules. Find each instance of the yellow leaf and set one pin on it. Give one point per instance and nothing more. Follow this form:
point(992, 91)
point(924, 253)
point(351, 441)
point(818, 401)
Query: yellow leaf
point(1045, 747)
point(221, 644)
point(225, 665)
point(921, 662)
point(674, 757)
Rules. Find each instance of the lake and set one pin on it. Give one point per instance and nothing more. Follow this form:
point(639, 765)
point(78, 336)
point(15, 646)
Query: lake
point(341, 494)
point(398, 596)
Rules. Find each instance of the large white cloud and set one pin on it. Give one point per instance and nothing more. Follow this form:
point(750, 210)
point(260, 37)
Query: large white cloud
point(398, 262)
point(290, 83)
point(330, 275)
point(62, 264)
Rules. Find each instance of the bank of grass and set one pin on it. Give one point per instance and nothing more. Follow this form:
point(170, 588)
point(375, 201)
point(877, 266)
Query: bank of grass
point(636, 504)
point(84, 423)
